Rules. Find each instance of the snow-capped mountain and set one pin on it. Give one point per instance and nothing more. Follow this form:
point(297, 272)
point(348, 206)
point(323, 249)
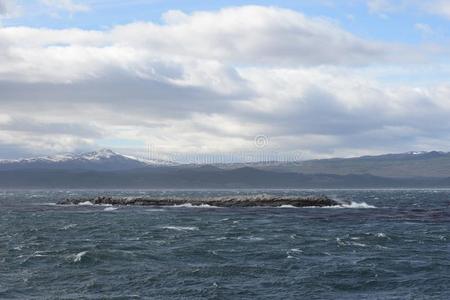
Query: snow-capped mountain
point(102, 160)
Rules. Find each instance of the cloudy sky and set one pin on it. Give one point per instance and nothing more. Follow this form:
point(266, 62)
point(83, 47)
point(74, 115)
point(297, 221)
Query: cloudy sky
point(319, 77)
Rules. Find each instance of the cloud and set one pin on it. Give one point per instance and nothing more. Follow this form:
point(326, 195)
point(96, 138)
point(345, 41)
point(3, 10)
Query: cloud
point(438, 7)
point(3, 9)
point(250, 34)
point(383, 6)
point(254, 34)
point(9, 9)
point(434, 7)
point(211, 82)
point(66, 5)
point(424, 29)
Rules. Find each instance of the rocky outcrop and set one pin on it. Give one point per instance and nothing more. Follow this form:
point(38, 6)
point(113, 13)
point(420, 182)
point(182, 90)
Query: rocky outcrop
point(226, 201)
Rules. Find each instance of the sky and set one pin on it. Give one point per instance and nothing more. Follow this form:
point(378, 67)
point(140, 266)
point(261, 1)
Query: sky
point(317, 78)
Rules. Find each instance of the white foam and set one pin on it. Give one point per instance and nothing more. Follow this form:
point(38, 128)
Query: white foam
point(69, 226)
point(287, 206)
point(340, 242)
point(86, 203)
point(250, 238)
point(189, 205)
point(181, 228)
point(358, 244)
point(353, 205)
point(255, 238)
point(380, 235)
point(110, 208)
point(296, 250)
point(79, 256)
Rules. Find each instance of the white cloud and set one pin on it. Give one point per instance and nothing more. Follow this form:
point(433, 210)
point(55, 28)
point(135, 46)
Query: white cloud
point(212, 81)
point(66, 5)
point(434, 7)
point(253, 34)
point(425, 29)
point(9, 9)
point(438, 7)
point(383, 6)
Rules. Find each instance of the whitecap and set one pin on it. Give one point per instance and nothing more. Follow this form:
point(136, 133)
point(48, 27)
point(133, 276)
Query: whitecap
point(181, 228)
point(189, 205)
point(296, 250)
point(250, 238)
point(110, 208)
point(69, 226)
point(38, 255)
point(86, 203)
point(355, 205)
point(287, 206)
point(79, 256)
point(380, 235)
point(358, 244)
point(381, 247)
point(340, 242)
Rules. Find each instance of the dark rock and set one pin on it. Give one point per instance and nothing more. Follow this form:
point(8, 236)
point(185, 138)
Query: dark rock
point(226, 201)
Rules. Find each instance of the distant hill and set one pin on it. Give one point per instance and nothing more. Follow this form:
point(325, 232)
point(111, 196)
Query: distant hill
point(108, 169)
point(102, 160)
point(404, 165)
point(173, 177)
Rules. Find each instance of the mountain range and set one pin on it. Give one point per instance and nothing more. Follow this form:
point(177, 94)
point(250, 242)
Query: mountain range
point(402, 165)
point(108, 169)
point(102, 160)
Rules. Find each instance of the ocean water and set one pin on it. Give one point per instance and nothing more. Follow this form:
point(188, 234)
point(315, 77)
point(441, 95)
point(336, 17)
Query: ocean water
point(388, 244)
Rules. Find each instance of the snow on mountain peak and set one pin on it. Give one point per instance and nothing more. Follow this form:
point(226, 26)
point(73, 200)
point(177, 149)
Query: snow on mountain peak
point(99, 156)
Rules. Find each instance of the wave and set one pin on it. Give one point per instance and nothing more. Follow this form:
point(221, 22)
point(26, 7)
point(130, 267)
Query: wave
point(86, 203)
point(250, 238)
point(110, 208)
point(351, 204)
point(181, 228)
point(189, 205)
point(69, 226)
point(79, 256)
point(357, 205)
point(341, 242)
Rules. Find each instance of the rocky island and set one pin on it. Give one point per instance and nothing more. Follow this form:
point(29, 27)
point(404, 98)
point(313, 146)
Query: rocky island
point(224, 201)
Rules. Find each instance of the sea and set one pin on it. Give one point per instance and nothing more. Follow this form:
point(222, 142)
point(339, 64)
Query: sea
point(384, 244)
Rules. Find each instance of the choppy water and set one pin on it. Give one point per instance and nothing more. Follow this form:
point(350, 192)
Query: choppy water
point(388, 245)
